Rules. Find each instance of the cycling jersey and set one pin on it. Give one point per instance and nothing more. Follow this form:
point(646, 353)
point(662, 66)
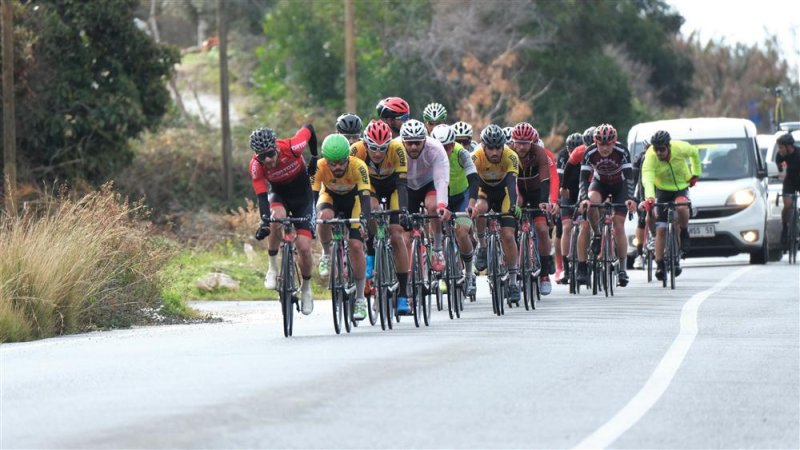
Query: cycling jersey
point(792, 162)
point(461, 165)
point(491, 174)
point(290, 172)
point(395, 161)
point(672, 175)
point(534, 173)
point(614, 169)
point(432, 165)
point(354, 180)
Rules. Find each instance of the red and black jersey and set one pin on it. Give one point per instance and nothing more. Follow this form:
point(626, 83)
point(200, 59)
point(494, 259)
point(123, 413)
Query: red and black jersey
point(609, 170)
point(290, 172)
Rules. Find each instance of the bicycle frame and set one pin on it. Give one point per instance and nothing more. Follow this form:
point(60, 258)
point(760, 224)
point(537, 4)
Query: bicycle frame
point(420, 267)
point(606, 265)
point(342, 284)
point(288, 278)
point(454, 271)
point(496, 270)
point(529, 261)
point(671, 249)
point(385, 284)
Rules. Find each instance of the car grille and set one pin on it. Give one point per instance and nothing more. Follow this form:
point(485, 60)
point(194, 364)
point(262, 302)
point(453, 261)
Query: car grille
point(715, 213)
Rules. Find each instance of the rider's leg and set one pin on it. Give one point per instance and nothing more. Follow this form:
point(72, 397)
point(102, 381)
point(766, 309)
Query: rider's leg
point(400, 257)
point(436, 224)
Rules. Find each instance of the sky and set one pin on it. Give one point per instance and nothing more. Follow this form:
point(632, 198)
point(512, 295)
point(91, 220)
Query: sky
point(748, 22)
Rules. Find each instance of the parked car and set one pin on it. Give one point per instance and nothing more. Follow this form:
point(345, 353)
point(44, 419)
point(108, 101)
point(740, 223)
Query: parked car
point(731, 213)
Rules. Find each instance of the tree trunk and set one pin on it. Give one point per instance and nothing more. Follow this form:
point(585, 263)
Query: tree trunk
point(9, 116)
point(349, 56)
point(224, 113)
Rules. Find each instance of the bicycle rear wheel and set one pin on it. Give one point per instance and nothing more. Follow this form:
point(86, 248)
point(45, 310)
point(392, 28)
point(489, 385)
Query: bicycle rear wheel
point(793, 233)
point(349, 299)
point(431, 287)
point(611, 267)
point(381, 292)
point(286, 282)
point(673, 254)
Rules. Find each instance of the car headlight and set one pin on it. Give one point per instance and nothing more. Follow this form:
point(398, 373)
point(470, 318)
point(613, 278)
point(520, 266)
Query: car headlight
point(744, 197)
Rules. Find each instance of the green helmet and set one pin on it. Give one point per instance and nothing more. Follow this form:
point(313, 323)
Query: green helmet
point(335, 147)
point(434, 112)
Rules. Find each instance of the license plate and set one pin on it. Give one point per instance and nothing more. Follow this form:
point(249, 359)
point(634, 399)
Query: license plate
point(701, 231)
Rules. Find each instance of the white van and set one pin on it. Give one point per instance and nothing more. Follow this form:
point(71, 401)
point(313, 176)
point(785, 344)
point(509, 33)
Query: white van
point(730, 200)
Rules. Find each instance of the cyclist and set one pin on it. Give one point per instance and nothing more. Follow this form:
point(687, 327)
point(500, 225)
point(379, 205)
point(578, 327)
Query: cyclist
point(572, 178)
point(341, 180)
point(642, 213)
point(497, 167)
point(428, 178)
point(281, 181)
point(609, 162)
point(349, 125)
point(433, 114)
point(462, 195)
point(464, 136)
point(394, 111)
point(666, 177)
point(788, 156)
point(388, 168)
point(568, 192)
point(533, 188)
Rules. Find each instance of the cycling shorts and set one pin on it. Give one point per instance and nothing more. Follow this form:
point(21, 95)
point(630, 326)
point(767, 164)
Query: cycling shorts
point(416, 197)
point(301, 205)
point(348, 204)
point(618, 193)
point(499, 201)
point(388, 191)
point(668, 196)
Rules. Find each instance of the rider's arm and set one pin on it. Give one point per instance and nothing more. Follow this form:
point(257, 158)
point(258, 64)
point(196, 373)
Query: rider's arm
point(511, 185)
point(260, 187)
point(586, 171)
point(402, 191)
point(649, 173)
point(555, 181)
point(474, 183)
point(363, 186)
point(627, 172)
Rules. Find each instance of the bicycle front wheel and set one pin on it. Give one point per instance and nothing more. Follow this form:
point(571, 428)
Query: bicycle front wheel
point(673, 254)
point(379, 280)
point(287, 289)
point(526, 269)
point(417, 283)
point(337, 290)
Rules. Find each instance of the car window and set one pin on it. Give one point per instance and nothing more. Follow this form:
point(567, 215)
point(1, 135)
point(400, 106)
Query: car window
point(726, 159)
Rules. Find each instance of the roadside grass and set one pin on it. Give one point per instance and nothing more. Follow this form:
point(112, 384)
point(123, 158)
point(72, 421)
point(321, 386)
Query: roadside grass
point(182, 272)
point(76, 264)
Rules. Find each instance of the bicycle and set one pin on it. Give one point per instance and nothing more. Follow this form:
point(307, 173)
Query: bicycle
point(342, 283)
point(649, 252)
point(496, 270)
point(385, 275)
point(794, 222)
point(453, 275)
point(577, 220)
point(672, 252)
point(289, 275)
point(421, 288)
point(608, 261)
point(530, 263)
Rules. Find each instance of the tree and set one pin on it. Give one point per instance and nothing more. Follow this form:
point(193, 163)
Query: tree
point(88, 80)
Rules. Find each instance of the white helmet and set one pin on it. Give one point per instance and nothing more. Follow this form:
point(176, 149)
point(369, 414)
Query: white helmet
point(463, 130)
point(434, 112)
point(444, 133)
point(413, 130)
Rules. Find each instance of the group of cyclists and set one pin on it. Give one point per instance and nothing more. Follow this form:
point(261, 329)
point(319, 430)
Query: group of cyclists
point(408, 165)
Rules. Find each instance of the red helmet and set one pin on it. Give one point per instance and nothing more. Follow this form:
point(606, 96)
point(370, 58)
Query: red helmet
point(605, 134)
point(393, 108)
point(377, 134)
point(524, 132)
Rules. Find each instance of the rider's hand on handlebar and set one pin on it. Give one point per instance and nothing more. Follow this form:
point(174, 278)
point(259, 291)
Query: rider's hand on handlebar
point(631, 206)
point(693, 180)
point(443, 212)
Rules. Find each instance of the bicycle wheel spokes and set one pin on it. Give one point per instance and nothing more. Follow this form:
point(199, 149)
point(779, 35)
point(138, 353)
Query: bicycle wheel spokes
point(337, 304)
point(416, 281)
point(287, 289)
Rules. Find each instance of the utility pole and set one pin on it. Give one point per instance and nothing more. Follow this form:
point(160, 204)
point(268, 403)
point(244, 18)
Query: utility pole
point(349, 56)
point(9, 119)
point(224, 113)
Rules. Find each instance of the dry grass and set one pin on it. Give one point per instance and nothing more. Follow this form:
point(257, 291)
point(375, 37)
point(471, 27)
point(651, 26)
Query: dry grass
point(74, 264)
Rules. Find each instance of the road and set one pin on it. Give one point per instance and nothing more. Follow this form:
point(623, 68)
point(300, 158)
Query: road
point(631, 371)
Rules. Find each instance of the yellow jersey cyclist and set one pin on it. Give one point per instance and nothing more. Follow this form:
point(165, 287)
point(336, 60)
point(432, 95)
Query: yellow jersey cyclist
point(462, 195)
point(497, 167)
point(349, 125)
point(388, 168)
point(666, 177)
point(464, 136)
point(342, 185)
point(434, 114)
point(428, 177)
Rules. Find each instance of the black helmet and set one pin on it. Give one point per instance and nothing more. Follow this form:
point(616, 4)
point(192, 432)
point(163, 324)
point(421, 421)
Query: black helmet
point(262, 139)
point(785, 139)
point(660, 139)
point(588, 136)
point(348, 123)
point(574, 140)
point(493, 136)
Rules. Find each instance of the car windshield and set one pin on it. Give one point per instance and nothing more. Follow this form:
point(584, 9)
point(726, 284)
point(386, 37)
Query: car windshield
point(725, 159)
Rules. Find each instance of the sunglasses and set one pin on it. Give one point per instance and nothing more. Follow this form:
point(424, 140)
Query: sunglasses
point(269, 153)
point(379, 148)
point(413, 142)
point(661, 149)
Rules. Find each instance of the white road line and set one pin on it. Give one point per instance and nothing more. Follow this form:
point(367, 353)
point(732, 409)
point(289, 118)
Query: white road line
point(662, 376)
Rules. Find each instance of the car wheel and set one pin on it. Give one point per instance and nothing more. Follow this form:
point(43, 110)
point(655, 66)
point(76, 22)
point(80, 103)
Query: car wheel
point(762, 255)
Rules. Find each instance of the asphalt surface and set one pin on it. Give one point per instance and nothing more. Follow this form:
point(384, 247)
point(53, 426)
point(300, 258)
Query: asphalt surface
point(630, 371)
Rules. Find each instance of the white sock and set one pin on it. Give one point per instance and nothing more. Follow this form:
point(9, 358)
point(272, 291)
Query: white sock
point(306, 286)
point(360, 287)
point(273, 263)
